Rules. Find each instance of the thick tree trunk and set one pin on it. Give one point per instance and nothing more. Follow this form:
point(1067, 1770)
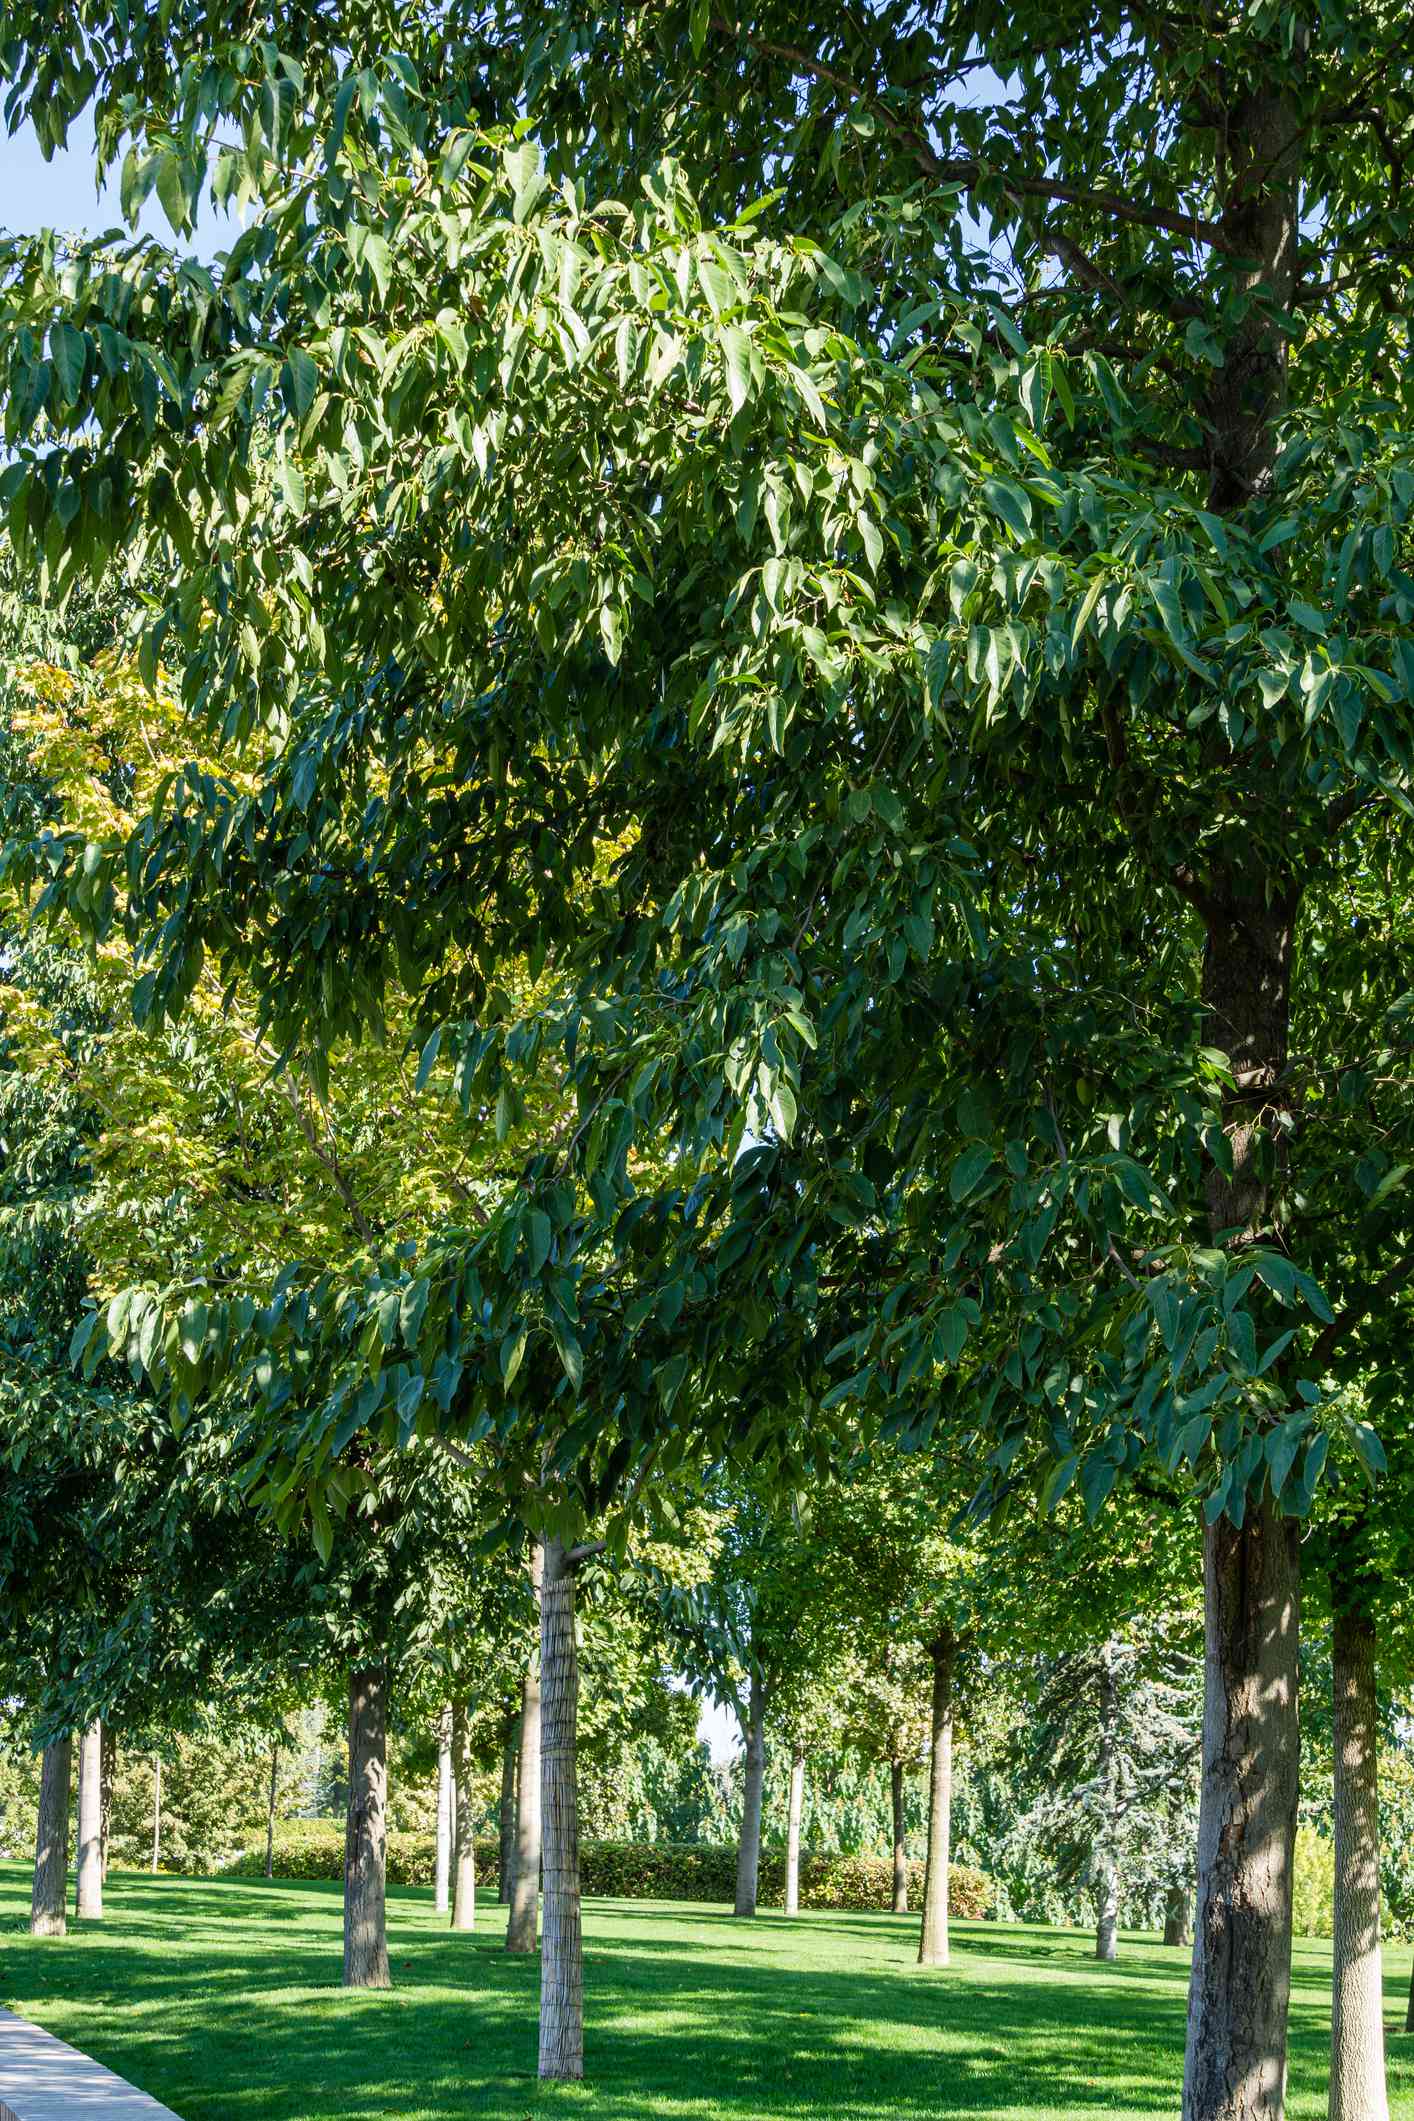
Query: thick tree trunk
point(506, 1817)
point(1357, 2090)
point(270, 1809)
point(562, 1948)
point(525, 1891)
point(49, 1902)
point(107, 1776)
point(900, 1847)
point(89, 1903)
point(748, 1862)
point(933, 1947)
point(463, 1823)
point(1106, 1862)
point(366, 1838)
point(442, 1880)
point(1178, 1916)
point(156, 1812)
point(797, 1793)
point(1241, 1980)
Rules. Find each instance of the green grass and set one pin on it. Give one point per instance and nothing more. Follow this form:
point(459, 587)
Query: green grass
point(222, 1998)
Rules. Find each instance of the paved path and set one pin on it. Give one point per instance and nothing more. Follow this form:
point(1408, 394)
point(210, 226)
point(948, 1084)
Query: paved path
point(43, 2080)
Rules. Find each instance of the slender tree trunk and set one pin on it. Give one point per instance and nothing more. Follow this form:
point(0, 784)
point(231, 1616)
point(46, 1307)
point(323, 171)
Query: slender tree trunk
point(506, 1817)
point(562, 1948)
point(156, 1811)
point(900, 1846)
point(49, 1915)
point(366, 1838)
point(1357, 2090)
point(107, 1776)
point(1241, 1979)
point(463, 1823)
point(1409, 2012)
point(270, 1809)
point(933, 1947)
point(748, 1862)
point(1178, 1916)
point(797, 1792)
point(442, 1897)
point(1107, 1865)
point(89, 1905)
point(525, 1893)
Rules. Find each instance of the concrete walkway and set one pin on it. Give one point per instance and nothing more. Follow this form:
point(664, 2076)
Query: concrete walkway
point(43, 2080)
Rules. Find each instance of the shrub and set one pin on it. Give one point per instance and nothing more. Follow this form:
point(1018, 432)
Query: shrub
point(641, 1870)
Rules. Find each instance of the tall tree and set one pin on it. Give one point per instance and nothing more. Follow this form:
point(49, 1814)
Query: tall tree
point(1062, 810)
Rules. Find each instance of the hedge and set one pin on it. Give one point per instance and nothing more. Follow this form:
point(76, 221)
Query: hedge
point(642, 1870)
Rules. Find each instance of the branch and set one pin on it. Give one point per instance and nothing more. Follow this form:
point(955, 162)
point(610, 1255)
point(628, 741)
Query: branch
point(969, 171)
point(1373, 1294)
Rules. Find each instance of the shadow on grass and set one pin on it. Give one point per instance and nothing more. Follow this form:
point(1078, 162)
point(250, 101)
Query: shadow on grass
point(223, 1999)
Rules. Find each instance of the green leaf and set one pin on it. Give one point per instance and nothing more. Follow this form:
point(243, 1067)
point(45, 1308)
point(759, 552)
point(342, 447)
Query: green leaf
point(967, 1173)
point(1012, 503)
point(736, 353)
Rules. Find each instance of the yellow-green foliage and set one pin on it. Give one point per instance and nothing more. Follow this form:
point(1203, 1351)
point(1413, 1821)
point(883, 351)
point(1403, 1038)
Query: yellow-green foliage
point(1314, 1893)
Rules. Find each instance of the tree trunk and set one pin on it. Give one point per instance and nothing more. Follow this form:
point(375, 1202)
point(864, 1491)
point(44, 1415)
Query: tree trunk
point(442, 1896)
point(366, 1838)
point(506, 1817)
point(797, 1792)
point(89, 1904)
point(748, 1862)
point(49, 1902)
point(1107, 1865)
point(562, 1950)
point(270, 1809)
point(525, 1893)
point(1178, 1916)
point(933, 1949)
point(463, 1823)
point(107, 1775)
point(1357, 2090)
point(1235, 2068)
point(1409, 2012)
point(156, 1811)
point(900, 1847)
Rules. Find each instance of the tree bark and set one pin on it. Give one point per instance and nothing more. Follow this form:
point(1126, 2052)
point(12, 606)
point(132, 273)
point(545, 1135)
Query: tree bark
point(1357, 2090)
point(748, 1862)
point(562, 1950)
point(1178, 1916)
point(933, 1945)
point(89, 1903)
point(1240, 1985)
point(366, 1837)
point(442, 1896)
point(900, 1846)
point(1107, 1866)
point(49, 1901)
point(270, 1809)
point(156, 1811)
point(525, 1894)
point(797, 1792)
point(107, 1775)
point(506, 1817)
point(463, 1823)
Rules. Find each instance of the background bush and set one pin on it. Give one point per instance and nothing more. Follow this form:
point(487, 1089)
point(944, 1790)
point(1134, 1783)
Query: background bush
point(640, 1870)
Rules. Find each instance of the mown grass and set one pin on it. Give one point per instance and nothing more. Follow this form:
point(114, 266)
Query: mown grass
point(222, 1998)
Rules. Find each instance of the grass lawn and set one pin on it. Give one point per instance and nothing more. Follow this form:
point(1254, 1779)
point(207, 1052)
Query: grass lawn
point(222, 1998)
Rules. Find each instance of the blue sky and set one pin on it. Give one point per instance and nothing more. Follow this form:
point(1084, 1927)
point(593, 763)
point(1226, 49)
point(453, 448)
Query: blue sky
point(62, 192)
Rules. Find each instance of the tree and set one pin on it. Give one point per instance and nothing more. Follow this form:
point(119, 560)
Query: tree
point(1133, 686)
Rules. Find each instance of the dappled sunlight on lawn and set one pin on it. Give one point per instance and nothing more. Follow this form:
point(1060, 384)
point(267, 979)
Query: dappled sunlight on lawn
point(223, 1999)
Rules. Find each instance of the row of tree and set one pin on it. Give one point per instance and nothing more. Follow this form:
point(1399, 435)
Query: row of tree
point(761, 820)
